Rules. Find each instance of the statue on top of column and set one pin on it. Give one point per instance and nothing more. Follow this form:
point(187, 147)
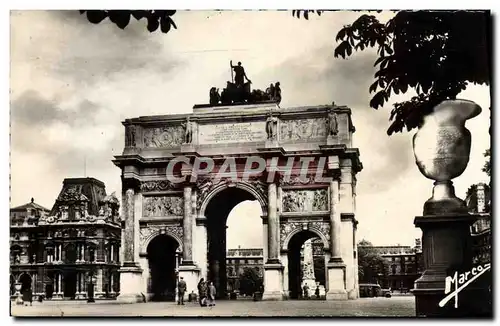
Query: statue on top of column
point(188, 131)
point(271, 127)
point(333, 128)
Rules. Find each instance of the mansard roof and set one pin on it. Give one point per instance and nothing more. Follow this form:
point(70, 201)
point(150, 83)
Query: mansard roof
point(75, 190)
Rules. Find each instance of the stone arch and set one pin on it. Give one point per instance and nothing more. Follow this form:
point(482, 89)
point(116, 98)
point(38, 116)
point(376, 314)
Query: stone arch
point(158, 231)
point(314, 229)
point(258, 195)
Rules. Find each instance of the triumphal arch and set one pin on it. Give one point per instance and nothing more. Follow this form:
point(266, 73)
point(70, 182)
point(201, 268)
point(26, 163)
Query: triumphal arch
point(182, 175)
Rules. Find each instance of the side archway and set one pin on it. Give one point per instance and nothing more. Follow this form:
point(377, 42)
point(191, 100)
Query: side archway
point(317, 231)
point(163, 260)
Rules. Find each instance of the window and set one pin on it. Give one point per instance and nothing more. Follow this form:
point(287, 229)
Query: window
point(50, 254)
point(92, 254)
point(393, 269)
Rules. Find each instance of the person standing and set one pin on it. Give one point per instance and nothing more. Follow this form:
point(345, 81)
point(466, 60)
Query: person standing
point(202, 292)
point(211, 294)
point(181, 289)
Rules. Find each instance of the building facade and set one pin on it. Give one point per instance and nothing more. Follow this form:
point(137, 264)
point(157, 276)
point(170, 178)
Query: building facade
point(478, 202)
point(405, 266)
point(238, 260)
point(70, 250)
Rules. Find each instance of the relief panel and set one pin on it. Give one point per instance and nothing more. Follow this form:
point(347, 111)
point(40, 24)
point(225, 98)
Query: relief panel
point(305, 200)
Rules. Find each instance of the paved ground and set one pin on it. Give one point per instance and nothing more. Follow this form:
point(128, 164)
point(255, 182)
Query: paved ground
point(403, 306)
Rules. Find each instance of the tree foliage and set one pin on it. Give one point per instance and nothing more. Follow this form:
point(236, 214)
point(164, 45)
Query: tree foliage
point(487, 165)
point(434, 53)
point(250, 282)
point(371, 265)
point(121, 18)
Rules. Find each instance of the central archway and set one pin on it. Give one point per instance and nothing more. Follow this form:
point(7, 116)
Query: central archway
point(217, 212)
point(162, 259)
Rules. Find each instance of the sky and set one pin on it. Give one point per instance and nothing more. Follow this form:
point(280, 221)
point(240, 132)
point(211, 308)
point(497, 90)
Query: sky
point(72, 83)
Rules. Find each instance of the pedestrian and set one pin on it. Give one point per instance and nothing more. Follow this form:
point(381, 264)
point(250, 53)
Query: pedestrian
point(181, 288)
point(316, 292)
point(211, 294)
point(306, 291)
point(202, 292)
point(28, 296)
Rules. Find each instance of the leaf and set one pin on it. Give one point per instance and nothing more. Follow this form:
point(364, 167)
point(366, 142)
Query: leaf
point(153, 24)
point(139, 14)
point(172, 22)
point(165, 24)
point(373, 87)
point(120, 17)
point(96, 16)
point(378, 99)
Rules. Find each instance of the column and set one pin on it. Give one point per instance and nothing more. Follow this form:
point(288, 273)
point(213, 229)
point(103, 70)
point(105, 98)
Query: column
point(111, 254)
point(272, 226)
point(187, 224)
point(273, 270)
point(188, 270)
point(129, 234)
point(131, 273)
point(335, 222)
point(336, 269)
point(83, 251)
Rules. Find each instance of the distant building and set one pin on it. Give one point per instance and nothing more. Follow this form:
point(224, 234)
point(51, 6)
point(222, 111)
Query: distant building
point(237, 260)
point(64, 252)
point(405, 265)
point(478, 202)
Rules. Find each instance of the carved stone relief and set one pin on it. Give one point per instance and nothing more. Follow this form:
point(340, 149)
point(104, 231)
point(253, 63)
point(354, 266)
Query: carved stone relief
point(305, 200)
point(164, 137)
point(317, 226)
point(156, 206)
point(151, 230)
point(157, 185)
point(303, 129)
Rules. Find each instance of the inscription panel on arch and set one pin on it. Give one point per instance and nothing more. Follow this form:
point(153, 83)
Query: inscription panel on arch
point(223, 133)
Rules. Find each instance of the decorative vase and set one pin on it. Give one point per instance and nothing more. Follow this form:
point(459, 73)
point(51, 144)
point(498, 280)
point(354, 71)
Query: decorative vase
point(442, 148)
point(18, 294)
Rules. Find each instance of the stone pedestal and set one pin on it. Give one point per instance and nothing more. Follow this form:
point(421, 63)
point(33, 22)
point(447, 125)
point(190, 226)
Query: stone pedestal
point(271, 144)
point(273, 282)
point(336, 281)
point(332, 140)
point(447, 248)
point(191, 275)
point(130, 284)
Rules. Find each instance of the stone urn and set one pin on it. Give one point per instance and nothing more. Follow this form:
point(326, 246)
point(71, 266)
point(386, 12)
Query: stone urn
point(18, 294)
point(442, 148)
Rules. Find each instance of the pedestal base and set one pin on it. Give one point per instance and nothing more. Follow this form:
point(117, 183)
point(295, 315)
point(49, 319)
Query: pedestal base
point(130, 284)
point(332, 140)
point(336, 281)
point(191, 275)
point(447, 251)
point(273, 282)
point(271, 144)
